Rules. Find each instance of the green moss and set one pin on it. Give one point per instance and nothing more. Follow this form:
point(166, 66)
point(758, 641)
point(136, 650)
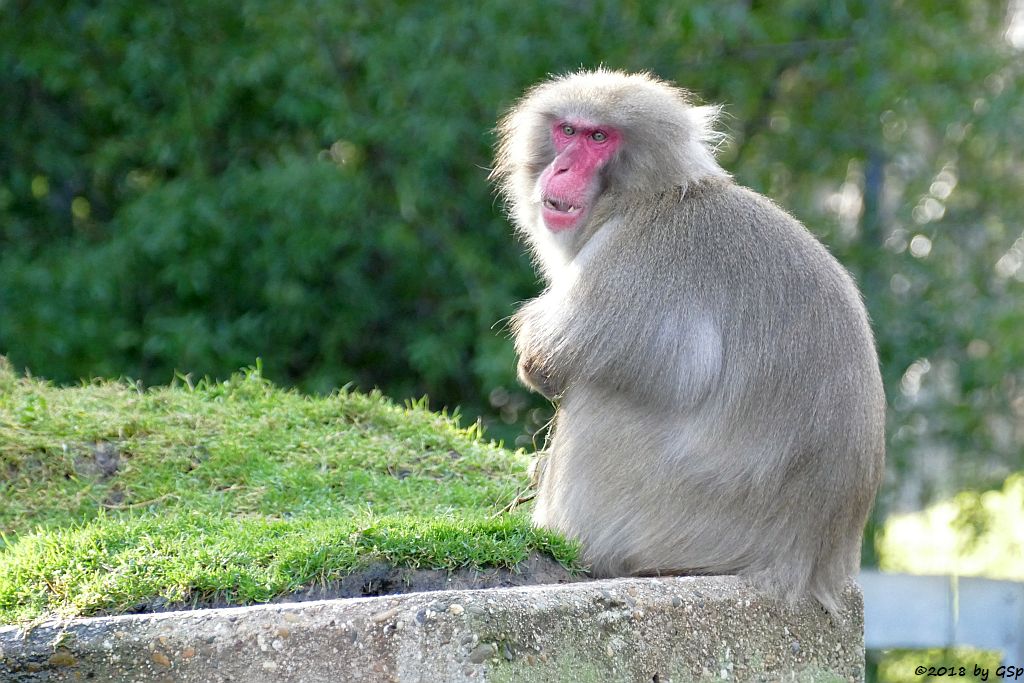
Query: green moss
point(113, 496)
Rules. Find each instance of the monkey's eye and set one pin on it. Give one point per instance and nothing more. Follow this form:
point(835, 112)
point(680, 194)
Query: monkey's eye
point(568, 130)
point(598, 136)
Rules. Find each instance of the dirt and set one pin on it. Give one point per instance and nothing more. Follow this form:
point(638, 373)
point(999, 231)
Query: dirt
point(385, 580)
point(381, 579)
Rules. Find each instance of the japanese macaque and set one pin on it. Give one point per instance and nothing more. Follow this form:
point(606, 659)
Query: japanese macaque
point(719, 403)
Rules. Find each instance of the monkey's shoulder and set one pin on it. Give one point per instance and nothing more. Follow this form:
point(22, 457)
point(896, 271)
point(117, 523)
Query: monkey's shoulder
point(710, 210)
point(743, 221)
point(726, 203)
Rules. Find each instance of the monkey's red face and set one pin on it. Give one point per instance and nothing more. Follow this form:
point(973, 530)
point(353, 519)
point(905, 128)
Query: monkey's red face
point(572, 181)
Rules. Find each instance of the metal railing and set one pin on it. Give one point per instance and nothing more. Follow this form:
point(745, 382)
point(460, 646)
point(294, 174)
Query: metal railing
point(916, 612)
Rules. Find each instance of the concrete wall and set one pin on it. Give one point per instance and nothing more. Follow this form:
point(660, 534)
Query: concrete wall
point(649, 630)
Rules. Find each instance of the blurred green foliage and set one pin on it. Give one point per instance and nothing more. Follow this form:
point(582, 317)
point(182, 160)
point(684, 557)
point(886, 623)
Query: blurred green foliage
point(189, 186)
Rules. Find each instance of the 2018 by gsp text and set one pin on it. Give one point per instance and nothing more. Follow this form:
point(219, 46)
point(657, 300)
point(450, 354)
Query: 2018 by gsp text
point(1004, 672)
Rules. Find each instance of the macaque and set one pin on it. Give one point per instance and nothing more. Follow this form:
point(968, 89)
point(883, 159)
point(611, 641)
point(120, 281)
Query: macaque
point(719, 403)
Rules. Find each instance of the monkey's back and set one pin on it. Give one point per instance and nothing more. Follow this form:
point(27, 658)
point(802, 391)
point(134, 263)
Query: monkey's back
point(748, 344)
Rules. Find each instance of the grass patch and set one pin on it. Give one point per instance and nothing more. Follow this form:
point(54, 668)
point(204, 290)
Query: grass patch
point(112, 497)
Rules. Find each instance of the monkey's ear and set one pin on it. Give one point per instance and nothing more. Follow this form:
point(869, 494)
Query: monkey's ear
point(704, 121)
point(700, 149)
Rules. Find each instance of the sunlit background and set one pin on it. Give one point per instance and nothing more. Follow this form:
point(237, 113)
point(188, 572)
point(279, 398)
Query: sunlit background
point(187, 187)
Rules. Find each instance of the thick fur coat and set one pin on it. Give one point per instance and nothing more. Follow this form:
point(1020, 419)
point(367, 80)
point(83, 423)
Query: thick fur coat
point(720, 407)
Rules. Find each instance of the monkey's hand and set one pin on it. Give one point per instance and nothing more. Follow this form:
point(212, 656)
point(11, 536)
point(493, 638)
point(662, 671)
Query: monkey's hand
point(536, 377)
point(535, 332)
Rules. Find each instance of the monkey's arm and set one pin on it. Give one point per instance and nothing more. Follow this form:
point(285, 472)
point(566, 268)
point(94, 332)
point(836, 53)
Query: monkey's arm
point(591, 335)
point(673, 359)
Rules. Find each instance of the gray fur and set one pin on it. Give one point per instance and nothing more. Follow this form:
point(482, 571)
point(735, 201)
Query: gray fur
point(720, 405)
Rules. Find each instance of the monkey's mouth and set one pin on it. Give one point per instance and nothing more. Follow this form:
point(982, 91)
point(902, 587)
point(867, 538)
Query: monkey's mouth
point(559, 214)
point(560, 206)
